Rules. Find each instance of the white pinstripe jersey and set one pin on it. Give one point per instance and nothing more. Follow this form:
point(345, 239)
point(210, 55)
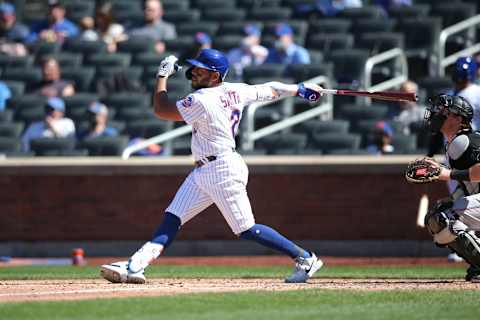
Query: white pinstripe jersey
point(214, 114)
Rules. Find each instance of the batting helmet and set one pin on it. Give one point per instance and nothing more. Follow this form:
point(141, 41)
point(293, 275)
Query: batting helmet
point(465, 69)
point(212, 60)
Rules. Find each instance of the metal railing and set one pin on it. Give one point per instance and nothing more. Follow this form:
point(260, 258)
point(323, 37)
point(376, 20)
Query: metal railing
point(442, 61)
point(400, 71)
point(249, 135)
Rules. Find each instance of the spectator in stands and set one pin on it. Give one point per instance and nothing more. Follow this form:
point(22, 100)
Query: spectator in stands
point(154, 27)
point(107, 29)
point(382, 139)
point(325, 8)
point(387, 4)
point(5, 94)
point(411, 112)
point(151, 150)
point(464, 76)
point(98, 122)
point(13, 34)
point(55, 125)
point(52, 85)
point(250, 51)
point(286, 52)
point(202, 41)
point(56, 28)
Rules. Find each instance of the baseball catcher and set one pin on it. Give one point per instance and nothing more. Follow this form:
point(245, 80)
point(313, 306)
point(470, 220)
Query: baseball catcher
point(453, 221)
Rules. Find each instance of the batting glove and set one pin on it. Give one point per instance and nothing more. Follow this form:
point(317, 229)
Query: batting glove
point(168, 67)
point(309, 92)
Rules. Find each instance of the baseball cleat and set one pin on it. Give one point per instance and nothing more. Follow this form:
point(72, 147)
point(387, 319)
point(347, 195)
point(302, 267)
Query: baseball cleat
point(117, 272)
point(473, 274)
point(304, 269)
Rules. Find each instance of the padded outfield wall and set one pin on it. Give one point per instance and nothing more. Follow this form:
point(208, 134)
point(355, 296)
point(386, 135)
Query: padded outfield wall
point(356, 205)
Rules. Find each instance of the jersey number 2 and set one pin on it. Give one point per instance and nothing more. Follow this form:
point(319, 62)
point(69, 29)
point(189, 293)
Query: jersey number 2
point(235, 119)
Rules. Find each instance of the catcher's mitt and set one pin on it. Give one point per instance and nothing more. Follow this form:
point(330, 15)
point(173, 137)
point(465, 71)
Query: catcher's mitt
point(422, 171)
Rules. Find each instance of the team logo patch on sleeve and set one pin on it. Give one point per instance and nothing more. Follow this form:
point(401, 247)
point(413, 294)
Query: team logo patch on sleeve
point(187, 102)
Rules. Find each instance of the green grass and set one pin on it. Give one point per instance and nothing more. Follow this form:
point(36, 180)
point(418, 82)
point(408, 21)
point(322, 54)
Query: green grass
point(159, 271)
point(304, 304)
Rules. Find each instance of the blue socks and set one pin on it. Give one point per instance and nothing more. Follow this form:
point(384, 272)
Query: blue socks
point(270, 238)
point(167, 230)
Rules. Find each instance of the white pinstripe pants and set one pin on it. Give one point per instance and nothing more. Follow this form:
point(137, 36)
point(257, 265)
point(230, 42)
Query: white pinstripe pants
point(468, 209)
point(223, 182)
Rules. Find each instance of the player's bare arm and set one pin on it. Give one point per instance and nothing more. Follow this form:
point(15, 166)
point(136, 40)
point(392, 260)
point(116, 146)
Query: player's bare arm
point(164, 108)
point(276, 90)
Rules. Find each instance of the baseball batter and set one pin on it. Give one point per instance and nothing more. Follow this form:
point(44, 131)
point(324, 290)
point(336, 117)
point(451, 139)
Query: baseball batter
point(220, 175)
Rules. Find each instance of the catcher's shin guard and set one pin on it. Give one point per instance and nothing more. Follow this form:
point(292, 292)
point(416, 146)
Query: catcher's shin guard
point(467, 246)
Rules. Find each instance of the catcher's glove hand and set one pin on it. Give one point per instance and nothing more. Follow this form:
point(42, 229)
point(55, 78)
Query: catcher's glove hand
point(423, 171)
point(168, 66)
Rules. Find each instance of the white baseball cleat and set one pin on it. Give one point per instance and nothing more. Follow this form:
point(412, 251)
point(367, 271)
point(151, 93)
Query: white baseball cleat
point(304, 269)
point(118, 272)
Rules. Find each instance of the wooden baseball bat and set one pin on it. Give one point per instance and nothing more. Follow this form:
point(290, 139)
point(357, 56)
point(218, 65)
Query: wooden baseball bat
point(380, 95)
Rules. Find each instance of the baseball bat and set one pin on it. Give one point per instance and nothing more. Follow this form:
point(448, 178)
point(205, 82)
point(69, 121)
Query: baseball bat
point(422, 210)
point(380, 95)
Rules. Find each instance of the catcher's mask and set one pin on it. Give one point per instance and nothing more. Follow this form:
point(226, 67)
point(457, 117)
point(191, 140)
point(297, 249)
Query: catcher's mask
point(441, 106)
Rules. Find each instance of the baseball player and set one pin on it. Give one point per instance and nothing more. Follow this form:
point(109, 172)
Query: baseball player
point(220, 175)
point(453, 221)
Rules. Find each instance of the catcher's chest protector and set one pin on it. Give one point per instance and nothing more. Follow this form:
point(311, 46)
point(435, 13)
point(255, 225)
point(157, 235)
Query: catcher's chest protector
point(464, 151)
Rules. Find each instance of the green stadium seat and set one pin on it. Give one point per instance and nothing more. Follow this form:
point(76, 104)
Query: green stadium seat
point(104, 146)
point(49, 146)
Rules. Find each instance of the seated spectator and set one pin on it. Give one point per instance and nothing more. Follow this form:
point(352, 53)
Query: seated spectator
point(56, 28)
point(98, 123)
point(5, 94)
point(410, 112)
point(387, 4)
point(382, 138)
point(249, 53)
point(55, 124)
point(154, 27)
point(325, 8)
point(52, 84)
point(202, 41)
point(103, 27)
point(12, 33)
point(286, 52)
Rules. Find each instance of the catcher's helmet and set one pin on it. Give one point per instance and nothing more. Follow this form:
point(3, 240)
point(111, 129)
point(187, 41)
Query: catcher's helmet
point(212, 60)
point(435, 115)
point(465, 69)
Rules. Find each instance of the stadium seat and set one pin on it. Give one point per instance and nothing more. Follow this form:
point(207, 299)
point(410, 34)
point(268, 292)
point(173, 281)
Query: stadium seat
point(365, 12)
point(42, 48)
point(135, 46)
point(178, 17)
point(77, 105)
point(134, 114)
point(357, 112)
point(49, 146)
point(328, 42)
point(404, 144)
point(104, 146)
point(130, 19)
point(181, 44)
point(273, 142)
point(81, 76)
point(328, 26)
point(133, 74)
point(85, 47)
point(126, 6)
point(11, 129)
point(361, 26)
point(79, 9)
point(190, 29)
point(9, 144)
point(16, 87)
point(330, 142)
point(15, 62)
point(299, 28)
point(228, 42)
point(6, 116)
point(28, 75)
point(432, 86)
point(27, 101)
point(146, 128)
point(146, 59)
point(224, 14)
point(452, 13)
point(312, 126)
point(263, 71)
point(302, 72)
point(378, 42)
point(278, 14)
point(349, 65)
point(109, 59)
point(127, 100)
point(65, 59)
point(83, 125)
point(413, 11)
point(169, 5)
point(208, 4)
point(421, 35)
point(29, 115)
point(249, 4)
point(237, 27)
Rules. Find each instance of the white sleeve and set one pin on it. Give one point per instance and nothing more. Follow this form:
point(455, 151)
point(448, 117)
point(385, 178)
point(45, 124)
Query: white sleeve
point(191, 108)
point(272, 90)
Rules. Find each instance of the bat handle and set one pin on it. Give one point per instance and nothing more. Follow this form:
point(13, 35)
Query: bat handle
point(328, 91)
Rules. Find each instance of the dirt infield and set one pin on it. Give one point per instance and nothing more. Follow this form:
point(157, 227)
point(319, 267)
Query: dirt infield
point(38, 290)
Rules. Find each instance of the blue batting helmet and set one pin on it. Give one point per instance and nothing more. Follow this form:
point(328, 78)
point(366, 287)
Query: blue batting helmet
point(212, 60)
point(465, 69)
